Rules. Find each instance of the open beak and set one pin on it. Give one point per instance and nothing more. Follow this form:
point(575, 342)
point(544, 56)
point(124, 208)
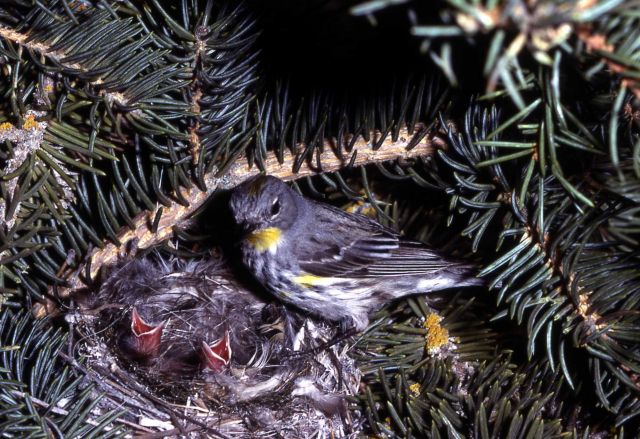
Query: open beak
point(147, 337)
point(218, 354)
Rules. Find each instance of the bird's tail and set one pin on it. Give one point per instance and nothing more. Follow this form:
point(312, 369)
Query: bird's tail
point(455, 275)
point(467, 275)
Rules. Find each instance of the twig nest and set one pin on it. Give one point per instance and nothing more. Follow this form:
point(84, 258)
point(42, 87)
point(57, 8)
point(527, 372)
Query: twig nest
point(196, 352)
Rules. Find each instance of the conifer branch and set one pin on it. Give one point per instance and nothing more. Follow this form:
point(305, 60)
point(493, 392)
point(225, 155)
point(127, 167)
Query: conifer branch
point(56, 55)
point(63, 412)
point(196, 94)
point(597, 44)
point(27, 140)
point(43, 49)
point(146, 234)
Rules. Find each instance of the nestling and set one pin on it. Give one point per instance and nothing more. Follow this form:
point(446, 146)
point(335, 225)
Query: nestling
point(188, 329)
point(183, 319)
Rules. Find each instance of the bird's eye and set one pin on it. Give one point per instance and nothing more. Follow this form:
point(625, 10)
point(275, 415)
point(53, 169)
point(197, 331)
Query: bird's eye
point(275, 208)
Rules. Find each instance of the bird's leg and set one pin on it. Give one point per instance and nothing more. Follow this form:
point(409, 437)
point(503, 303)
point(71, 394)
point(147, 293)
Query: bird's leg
point(340, 336)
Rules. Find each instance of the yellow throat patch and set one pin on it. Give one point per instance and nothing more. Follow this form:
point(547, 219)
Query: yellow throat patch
point(265, 239)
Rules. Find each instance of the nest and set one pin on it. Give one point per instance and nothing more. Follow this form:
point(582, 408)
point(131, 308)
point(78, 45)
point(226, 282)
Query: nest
point(288, 376)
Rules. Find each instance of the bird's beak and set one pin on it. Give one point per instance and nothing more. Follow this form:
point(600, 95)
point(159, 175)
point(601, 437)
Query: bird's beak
point(218, 354)
point(147, 337)
point(245, 230)
point(248, 227)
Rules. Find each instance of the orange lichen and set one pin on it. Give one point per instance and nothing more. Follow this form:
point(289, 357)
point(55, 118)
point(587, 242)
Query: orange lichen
point(437, 336)
point(30, 122)
point(80, 6)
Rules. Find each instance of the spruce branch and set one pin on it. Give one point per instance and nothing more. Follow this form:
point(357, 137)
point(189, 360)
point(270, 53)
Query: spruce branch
point(153, 227)
point(38, 393)
point(22, 39)
point(544, 276)
point(596, 43)
point(62, 412)
point(549, 196)
point(405, 376)
point(58, 56)
point(27, 141)
point(519, 32)
point(197, 92)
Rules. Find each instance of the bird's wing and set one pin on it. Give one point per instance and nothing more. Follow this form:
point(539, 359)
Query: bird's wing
point(410, 258)
point(356, 246)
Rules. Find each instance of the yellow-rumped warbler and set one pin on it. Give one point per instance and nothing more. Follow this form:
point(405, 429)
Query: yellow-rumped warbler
point(331, 263)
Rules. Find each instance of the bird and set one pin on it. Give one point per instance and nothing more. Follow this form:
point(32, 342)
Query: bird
point(178, 319)
point(183, 328)
point(179, 325)
point(332, 264)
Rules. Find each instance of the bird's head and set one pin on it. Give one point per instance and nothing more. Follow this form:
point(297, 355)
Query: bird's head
point(263, 206)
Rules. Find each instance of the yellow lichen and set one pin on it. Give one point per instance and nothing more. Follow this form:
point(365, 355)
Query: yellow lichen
point(48, 88)
point(30, 122)
point(437, 336)
point(431, 320)
point(361, 206)
point(369, 211)
point(415, 389)
point(353, 207)
point(6, 126)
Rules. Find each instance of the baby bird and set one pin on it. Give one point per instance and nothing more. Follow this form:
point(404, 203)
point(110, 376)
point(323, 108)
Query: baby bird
point(176, 319)
point(185, 325)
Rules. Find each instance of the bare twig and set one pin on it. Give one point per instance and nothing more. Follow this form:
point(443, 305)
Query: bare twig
point(136, 394)
point(174, 414)
point(119, 394)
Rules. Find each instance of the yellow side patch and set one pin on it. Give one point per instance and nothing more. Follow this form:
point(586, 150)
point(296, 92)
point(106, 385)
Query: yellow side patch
point(309, 280)
point(265, 239)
